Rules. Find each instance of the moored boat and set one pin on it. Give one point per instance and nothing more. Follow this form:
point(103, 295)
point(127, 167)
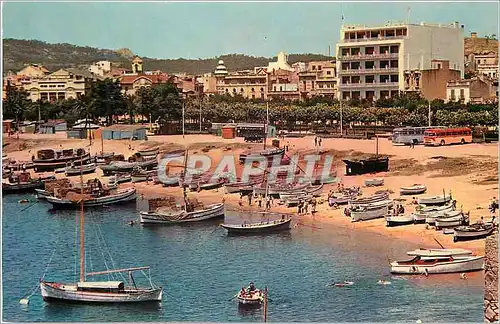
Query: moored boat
point(438, 264)
point(199, 213)
point(472, 232)
point(421, 213)
point(49, 160)
point(268, 154)
point(121, 196)
point(20, 183)
point(281, 224)
point(415, 189)
point(250, 297)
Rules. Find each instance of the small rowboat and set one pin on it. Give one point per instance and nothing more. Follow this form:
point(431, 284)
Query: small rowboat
point(250, 297)
point(370, 211)
point(279, 225)
point(439, 252)
point(149, 152)
point(77, 170)
point(182, 216)
point(379, 196)
point(416, 189)
point(472, 232)
point(451, 221)
point(434, 264)
point(342, 284)
point(453, 214)
point(435, 200)
point(399, 220)
point(374, 182)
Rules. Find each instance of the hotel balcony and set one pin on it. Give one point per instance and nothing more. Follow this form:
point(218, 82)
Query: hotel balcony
point(369, 85)
point(368, 71)
point(372, 39)
point(360, 57)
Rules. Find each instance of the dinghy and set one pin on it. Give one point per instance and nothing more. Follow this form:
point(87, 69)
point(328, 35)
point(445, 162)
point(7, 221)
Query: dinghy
point(281, 224)
point(435, 200)
point(453, 214)
point(250, 297)
point(439, 252)
point(169, 217)
point(399, 220)
point(370, 211)
point(472, 232)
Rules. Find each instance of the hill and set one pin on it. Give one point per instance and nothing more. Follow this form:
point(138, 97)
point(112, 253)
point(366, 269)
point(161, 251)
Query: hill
point(479, 45)
point(18, 52)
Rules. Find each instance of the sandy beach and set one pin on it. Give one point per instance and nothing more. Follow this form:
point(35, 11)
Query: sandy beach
point(469, 171)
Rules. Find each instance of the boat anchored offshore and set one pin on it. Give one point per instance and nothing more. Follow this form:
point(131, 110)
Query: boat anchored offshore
point(99, 291)
point(250, 297)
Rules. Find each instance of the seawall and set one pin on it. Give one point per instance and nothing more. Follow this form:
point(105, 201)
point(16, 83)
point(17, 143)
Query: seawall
point(491, 280)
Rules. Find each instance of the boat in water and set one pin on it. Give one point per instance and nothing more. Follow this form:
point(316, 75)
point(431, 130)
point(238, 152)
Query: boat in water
point(342, 284)
point(438, 264)
point(21, 183)
point(49, 159)
point(93, 198)
point(472, 232)
point(282, 223)
point(250, 297)
point(192, 211)
point(415, 189)
point(84, 291)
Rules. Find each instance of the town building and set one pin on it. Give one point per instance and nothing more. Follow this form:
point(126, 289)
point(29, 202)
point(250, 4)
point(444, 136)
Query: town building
point(477, 90)
point(485, 48)
point(317, 78)
point(208, 83)
point(486, 63)
point(373, 61)
point(100, 68)
point(431, 83)
point(33, 71)
point(62, 84)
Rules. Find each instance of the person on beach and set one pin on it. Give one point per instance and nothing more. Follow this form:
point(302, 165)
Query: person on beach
point(319, 141)
point(268, 202)
point(306, 205)
point(299, 207)
point(401, 209)
point(313, 204)
point(481, 221)
point(315, 141)
point(454, 203)
point(241, 201)
point(287, 146)
point(250, 199)
point(260, 201)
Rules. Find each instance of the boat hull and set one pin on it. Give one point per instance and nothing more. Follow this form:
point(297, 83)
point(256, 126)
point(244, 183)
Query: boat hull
point(459, 235)
point(251, 230)
point(22, 187)
point(126, 195)
point(412, 191)
point(399, 220)
point(369, 214)
point(61, 292)
point(216, 210)
point(77, 171)
point(434, 201)
point(51, 165)
point(467, 264)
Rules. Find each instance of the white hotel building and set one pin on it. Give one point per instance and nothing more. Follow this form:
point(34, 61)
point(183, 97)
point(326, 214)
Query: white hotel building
point(372, 62)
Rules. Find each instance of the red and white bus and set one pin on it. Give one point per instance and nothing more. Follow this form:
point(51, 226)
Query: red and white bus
point(444, 136)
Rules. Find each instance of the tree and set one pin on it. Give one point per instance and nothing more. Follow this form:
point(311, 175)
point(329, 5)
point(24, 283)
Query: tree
point(104, 100)
point(16, 103)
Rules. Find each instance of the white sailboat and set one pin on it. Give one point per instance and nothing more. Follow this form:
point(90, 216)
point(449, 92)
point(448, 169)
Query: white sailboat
point(99, 291)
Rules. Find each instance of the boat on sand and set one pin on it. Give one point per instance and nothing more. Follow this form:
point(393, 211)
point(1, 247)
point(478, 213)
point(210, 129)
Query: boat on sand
point(415, 189)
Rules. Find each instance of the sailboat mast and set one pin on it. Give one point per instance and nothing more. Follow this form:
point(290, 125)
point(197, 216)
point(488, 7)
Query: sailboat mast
point(266, 126)
point(82, 235)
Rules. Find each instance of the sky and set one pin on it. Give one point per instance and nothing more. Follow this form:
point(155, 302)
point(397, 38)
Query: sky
point(203, 30)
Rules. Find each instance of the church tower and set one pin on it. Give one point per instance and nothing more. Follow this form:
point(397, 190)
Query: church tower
point(137, 65)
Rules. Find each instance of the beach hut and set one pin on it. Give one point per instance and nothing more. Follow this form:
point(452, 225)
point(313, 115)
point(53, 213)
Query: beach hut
point(130, 132)
point(53, 126)
point(228, 132)
point(83, 129)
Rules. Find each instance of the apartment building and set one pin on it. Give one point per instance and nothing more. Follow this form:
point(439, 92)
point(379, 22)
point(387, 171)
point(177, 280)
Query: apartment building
point(476, 90)
point(317, 78)
point(100, 68)
point(486, 63)
point(374, 61)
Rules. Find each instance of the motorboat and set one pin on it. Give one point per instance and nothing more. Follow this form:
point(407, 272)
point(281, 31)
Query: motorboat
point(415, 189)
point(438, 264)
point(342, 284)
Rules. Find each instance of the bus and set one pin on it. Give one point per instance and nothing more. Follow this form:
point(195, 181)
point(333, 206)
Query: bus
point(444, 136)
point(410, 135)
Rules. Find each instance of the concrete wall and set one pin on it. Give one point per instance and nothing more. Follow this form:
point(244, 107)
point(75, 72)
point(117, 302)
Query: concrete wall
point(433, 82)
point(491, 280)
point(426, 43)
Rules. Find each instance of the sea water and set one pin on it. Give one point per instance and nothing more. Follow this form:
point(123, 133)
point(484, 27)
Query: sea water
point(200, 269)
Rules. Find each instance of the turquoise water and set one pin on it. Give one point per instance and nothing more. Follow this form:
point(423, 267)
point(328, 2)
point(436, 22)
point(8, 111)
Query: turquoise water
point(201, 268)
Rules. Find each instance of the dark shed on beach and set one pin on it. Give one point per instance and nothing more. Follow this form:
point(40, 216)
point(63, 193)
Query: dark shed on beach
point(130, 132)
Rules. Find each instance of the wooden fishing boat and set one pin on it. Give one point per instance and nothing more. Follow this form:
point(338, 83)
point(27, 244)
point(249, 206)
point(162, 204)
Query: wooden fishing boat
point(123, 166)
point(120, 178)
point(421, 213)
point(103, 157)
point(472, 232)
point(21, 183)
point(379, 196)
point(310, 190)
point(141, 176)
point(439, 252)
point(438, 264)
point(239, 186)
point(452, 214)
point(121, 196)
point(399, 220)
point(435, 200)
point(42, 193)
point(374, 182)
point(269, 154)
point(182, 216)
point(149, 152)
point(49, 160)
point(281, 224)
point(77, 170)
point(20, 165)
point(250, 297)
point(291, 201)
point(99, 291)
point(461, 219)
point(280, 188)
point(370, 211)
point(340, 199)
point(415, 189)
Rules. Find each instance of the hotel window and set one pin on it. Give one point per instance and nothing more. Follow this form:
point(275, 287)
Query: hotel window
point(452, 94)
point(328, 73)
point(462, 94)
